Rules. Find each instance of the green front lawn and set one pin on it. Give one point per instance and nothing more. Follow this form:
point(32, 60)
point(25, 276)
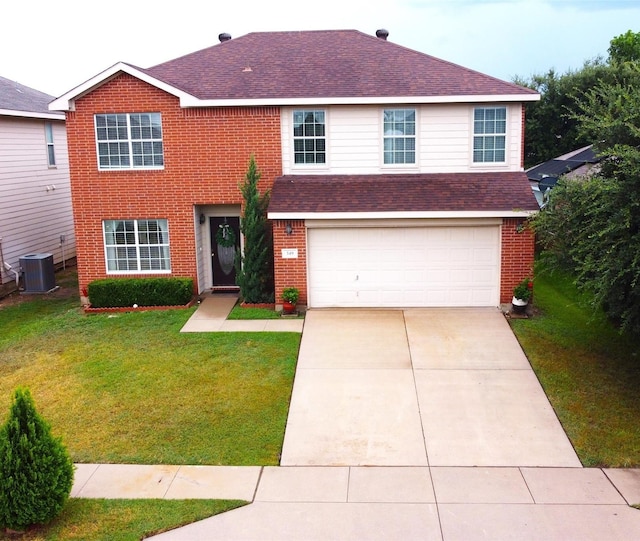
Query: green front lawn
point(590, 373)
point(130, 388)
point(122, 520)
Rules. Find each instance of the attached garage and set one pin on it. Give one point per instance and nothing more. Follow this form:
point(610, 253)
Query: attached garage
point(440, 265)
point(402, 240)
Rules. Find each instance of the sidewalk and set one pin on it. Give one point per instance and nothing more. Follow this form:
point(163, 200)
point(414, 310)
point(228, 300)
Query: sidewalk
point(211, 316)
point(344, 502)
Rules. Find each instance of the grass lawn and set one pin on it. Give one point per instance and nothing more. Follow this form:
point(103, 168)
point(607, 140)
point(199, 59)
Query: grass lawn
point(130, 388)
point(589, 371)
point(122, 520)
point(248, 312)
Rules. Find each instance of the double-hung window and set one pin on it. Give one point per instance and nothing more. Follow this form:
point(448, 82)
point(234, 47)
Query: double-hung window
point(129, 141)
point(136, 246)
point(399, 127)
point(51, 154)
point(489, 134)
point(309, 137)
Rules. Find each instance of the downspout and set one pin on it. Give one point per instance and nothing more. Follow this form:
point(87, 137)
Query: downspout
point(7, 266)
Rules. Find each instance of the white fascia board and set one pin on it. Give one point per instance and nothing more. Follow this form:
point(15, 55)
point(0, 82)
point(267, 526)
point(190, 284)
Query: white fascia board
point(400, 215)
point(31, 114)
point(191, 101)
point(66, 101)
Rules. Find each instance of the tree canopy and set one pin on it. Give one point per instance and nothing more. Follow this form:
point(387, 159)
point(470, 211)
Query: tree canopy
point(592, 226)
point(551, 129)
point(625, 47)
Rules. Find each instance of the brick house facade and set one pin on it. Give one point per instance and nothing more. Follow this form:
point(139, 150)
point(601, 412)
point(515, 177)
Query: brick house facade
point(201, 169)
point(469, 216)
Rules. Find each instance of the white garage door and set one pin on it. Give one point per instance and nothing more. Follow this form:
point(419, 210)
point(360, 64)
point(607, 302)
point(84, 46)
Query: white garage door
point(404, 267)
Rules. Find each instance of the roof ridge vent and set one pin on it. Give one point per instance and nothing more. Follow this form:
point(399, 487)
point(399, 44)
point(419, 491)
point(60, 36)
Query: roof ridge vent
point(382, 34)
point(224, 37)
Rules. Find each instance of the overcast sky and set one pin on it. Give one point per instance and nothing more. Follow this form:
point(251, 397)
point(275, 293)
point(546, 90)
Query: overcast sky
point(55, 46)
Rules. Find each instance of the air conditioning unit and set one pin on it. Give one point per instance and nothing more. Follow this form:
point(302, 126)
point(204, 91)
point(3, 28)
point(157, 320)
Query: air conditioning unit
point(38, 273)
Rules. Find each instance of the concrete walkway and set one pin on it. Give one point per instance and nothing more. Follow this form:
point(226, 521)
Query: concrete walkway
point(354, 503)
point(211, 316)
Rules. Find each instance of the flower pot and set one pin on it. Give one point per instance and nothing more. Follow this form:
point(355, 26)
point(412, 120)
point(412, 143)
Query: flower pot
point(288, 307)
point(519, 306)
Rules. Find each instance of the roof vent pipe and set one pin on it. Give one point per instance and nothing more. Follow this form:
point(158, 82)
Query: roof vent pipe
point(224, 37)
point(382, 34)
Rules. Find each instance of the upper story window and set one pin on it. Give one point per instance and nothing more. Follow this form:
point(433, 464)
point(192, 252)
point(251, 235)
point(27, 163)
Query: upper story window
point(51, 154)
point(129, 141)
point(489, 134)
point(399, 136)
point(309, 138)
point(136, 246)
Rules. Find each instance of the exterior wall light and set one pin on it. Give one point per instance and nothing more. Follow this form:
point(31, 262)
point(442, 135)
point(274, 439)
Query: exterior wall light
point(288, 229)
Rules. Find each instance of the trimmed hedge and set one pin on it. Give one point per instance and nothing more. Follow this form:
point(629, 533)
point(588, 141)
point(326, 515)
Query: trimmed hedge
point(121, 292)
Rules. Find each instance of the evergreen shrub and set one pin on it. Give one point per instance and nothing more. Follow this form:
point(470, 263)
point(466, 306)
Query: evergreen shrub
point(36, 471)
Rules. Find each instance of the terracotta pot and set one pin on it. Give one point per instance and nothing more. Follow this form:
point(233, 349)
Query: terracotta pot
point(288, 307)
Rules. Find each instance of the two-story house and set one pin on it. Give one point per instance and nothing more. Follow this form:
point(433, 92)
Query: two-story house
point(35, 196)
point(397, 178)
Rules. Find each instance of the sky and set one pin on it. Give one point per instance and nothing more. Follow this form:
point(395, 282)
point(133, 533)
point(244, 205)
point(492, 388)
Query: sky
point(55, 46)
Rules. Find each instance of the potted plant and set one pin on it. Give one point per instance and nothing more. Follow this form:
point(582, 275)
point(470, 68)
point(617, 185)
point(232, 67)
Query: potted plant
point(290, 299)
point(521, 296)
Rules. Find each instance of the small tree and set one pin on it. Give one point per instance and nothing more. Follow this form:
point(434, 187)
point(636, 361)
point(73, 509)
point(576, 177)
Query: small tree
point(255, 266)
point(36, 472)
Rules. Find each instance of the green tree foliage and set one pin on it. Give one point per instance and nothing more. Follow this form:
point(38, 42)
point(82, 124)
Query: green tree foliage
point(255, 266)
point(625, 47)
point(36, 472)
point(550, 130)
point(592, 226)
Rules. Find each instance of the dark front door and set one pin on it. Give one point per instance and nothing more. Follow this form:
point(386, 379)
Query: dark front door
point(225, 244)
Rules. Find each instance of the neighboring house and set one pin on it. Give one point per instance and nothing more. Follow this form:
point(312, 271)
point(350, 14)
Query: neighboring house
point(35, 197)
point(577, 163)
point(397, 178)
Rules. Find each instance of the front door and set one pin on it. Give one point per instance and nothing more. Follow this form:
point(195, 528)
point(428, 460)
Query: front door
point(225, 244)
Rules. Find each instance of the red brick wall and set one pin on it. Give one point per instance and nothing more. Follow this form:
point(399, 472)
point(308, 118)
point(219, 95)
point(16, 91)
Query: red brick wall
point(517, 256)
point(206, 154)
point(290, 272)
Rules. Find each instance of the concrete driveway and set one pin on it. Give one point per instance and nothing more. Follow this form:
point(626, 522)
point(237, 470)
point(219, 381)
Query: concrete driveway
point(418, 387)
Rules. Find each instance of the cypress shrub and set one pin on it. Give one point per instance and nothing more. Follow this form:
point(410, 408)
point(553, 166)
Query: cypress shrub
point(255, 266)
point(117, 292)
point(36, 472)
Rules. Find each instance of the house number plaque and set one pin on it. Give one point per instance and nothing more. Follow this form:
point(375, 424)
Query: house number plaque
point(289, 253)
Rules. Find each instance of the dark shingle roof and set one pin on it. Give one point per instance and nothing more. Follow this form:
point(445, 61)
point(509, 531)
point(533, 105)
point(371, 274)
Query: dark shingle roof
point(17, 97)
point(317, 64)
point(402, 193)
point(561, 166)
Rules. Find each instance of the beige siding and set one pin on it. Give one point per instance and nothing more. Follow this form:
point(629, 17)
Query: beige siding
point(32, 218)
point(444, 141)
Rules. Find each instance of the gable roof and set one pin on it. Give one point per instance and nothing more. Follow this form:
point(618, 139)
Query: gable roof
point(439, 195)
point(313, 67)
point(20, 100)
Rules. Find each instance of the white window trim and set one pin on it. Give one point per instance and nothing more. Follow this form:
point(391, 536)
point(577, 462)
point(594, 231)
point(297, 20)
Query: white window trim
point(51, 148)
point(137, 246)
point(490, 165)
point(292, 138)
point(129, 142)
point(402, 166)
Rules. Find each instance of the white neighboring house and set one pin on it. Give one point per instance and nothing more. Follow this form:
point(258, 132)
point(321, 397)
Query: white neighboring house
point(35, 196)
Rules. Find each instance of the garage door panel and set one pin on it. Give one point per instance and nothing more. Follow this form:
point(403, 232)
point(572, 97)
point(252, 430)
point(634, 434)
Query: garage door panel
point(395, 266)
